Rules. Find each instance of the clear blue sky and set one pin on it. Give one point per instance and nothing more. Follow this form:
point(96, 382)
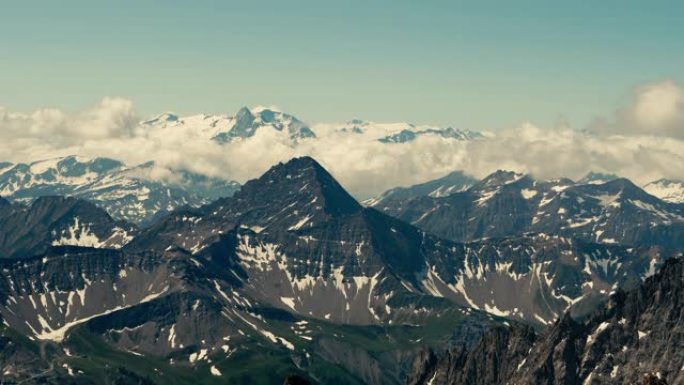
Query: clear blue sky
point(488, 65)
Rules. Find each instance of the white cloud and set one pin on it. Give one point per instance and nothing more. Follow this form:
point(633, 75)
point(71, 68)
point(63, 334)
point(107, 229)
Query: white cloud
point(655, 109)
point(642, 142)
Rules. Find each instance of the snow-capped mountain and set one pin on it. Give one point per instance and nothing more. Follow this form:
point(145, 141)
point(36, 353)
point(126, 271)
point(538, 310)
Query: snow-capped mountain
point(667, 190)
point(125, 192)
point(248, 121)
point(409, 135)
point(244, 124)
point(395, 133)
point(294, 274)
point(508, 204)
point(454, 182)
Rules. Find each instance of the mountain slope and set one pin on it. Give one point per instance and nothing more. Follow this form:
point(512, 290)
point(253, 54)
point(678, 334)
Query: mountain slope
point(637, 335)
point(185, 318)
point(127, 193)
point(26, 231)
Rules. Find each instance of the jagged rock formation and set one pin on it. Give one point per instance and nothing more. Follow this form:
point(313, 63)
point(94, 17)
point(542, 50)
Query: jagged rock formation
point(635, 338)
point(493, 360)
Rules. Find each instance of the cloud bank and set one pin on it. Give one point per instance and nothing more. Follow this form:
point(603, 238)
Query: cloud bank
point(643, 141)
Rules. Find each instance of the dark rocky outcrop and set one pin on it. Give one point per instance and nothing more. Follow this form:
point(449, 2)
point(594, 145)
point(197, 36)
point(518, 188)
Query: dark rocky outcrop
point(636, 338)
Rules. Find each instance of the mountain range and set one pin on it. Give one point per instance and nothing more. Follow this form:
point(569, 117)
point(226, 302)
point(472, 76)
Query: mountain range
point(290, 275)
point(248, 121)
point(128, 193)
point(509, 204)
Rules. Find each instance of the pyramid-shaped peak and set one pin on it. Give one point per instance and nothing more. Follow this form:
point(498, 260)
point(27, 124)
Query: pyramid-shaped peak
point(303, 180)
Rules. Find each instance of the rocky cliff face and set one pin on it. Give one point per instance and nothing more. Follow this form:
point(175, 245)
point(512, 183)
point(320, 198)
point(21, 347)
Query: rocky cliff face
point(493, 360)
point(635, 338)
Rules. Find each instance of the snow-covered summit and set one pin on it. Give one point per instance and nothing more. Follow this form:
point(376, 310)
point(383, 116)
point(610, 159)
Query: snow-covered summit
point(247, 121)
point(226, 128)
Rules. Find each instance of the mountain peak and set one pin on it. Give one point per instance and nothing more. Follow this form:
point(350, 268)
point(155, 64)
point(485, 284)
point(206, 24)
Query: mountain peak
point(244, 112)
point(623, 186)
point(500, 178)
point(593, 177)
point(166, 117)
point(247, 121)
point(305, 175)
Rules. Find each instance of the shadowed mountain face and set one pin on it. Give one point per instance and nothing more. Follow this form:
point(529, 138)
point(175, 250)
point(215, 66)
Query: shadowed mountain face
point(507, 204)
point(635, 338)
point(26, 231)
